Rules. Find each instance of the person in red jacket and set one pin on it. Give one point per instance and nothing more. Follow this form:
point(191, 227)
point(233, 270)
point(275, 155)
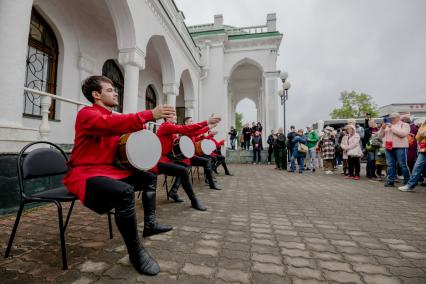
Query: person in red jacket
point(167, 133)
point(217, 157)
point(102, 186)
point(196, 161)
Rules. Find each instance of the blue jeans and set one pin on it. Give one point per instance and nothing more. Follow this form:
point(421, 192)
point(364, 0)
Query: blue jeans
point(397, 155)
point(300, 161)
point(311, 158)
point(256, 151)
point(233, 143)
point(417, 170)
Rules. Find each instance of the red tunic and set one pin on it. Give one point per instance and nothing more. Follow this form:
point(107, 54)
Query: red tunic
point(218, 145)
point(97, 132)
point(167, 133)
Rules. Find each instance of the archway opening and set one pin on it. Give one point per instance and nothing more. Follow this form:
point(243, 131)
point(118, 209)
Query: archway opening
point(248, 110)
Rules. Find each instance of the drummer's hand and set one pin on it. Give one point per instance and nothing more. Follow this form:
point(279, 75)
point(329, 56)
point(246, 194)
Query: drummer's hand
point(214, 119)
point(164, 111)
point(214, 132)
point(212, 125)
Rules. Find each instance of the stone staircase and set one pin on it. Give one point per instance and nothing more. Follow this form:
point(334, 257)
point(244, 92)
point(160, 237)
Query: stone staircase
point(244, 156)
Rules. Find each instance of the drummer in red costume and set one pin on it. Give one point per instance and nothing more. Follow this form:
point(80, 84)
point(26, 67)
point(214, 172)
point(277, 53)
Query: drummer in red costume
point(195, 161)
point(98, 182)
point(167, 133)
point(217, 157)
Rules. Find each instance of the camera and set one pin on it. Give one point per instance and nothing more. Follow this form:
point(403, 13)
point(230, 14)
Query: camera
point(387, 120)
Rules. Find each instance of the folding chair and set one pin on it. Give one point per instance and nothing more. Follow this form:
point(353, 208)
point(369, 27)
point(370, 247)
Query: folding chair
point(38, 163)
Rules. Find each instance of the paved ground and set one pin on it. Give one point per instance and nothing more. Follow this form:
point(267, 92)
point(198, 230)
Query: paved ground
point(265, 227)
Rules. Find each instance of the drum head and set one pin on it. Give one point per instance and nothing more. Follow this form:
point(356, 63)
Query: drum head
point(187, 146)
point(143, 149)
point(208, 146)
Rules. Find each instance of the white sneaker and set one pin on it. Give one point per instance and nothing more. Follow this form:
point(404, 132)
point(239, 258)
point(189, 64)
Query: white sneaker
point(400, 177)
point(328, 172)
point(405, 188)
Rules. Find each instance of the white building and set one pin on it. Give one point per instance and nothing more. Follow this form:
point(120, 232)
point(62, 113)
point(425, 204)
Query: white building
point(144, 46)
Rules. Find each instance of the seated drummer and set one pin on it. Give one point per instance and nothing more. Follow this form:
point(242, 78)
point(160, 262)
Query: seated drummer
point(196, 161)
point(167, 133)
point(217, 157)
point(98, 182)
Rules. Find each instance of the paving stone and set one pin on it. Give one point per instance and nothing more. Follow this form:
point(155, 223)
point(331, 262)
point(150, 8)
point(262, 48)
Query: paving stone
point(335, 266)
point(295, 252)
point(414, 255)
point(268, 258)
point(370, 269)
point(342, 277)
point(300, 262)
point(233, 275)
point(407, 271)
point(268, 268)
point(306, 281)
point(198, 270)
point(93, 267)
point(292, 245)
point(304, 272)
point(381, 279)
point(327, 256)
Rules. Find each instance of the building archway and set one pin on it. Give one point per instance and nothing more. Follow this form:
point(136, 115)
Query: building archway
point(111, 70)
point(245, 85)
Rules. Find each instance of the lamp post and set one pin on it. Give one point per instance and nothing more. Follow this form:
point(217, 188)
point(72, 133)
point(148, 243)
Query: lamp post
point(284, 93)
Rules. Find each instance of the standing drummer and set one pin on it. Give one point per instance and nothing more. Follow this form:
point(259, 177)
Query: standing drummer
point(167, 133)
point(98, 183)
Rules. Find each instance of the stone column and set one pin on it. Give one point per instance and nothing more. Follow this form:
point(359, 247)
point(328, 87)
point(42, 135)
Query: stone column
point(271, 101)
point(189, 108)
point(171, 90)
point(133, 60)
point(15, 17)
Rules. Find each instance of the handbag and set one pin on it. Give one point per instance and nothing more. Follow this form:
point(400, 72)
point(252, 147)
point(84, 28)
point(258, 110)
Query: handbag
point(355, 152)
point(302, 148)
point(389, 145)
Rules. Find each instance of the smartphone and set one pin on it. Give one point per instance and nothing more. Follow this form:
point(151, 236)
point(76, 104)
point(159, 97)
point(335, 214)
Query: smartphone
point(386, 120)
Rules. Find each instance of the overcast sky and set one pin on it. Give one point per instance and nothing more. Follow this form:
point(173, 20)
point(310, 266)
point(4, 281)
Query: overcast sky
point(373, 46)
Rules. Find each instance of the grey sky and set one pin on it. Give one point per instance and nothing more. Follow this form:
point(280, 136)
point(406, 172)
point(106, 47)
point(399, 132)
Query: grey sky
point(372, 46)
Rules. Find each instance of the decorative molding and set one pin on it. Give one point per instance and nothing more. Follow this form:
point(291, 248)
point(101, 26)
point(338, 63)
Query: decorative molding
point(88, 64)
point(190, 103)
point(171, 89)
point(132, 56)
point(272, 74)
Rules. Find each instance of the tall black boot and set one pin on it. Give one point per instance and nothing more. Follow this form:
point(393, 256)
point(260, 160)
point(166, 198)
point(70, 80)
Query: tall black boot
point(195, 203)
point(173, 191)
point(209, 177)
point(151, 227)
point(125, 219)
point(226, 168)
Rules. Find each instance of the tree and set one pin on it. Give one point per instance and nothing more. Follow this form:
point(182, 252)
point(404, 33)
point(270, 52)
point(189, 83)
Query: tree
point(355, 105)
point(238, 121)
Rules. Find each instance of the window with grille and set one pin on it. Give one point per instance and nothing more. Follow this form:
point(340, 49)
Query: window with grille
point(112, 71)
point(41, 66)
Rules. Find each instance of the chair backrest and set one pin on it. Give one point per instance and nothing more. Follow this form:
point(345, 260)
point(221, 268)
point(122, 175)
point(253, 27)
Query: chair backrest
point(41, 162)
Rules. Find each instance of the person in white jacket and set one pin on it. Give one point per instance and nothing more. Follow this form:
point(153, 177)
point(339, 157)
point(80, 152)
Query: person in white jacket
point(351, 147)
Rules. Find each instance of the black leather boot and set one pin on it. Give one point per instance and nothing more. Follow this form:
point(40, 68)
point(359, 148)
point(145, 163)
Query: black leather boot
point(151, 227)
point(125, 219)
point(209, 177)
point(173, 191)
point(195, 203)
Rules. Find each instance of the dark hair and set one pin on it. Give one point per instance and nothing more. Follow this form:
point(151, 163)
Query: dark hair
point(187, 118)
point(93, 83)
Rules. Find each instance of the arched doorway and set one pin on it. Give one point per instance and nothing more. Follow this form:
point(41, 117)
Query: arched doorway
point(150, 98)
point(111, 70)
point(42, 64)
point(246, 90)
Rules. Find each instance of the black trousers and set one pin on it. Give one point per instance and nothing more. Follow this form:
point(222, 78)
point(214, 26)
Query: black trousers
point(270, 152)
point(354, 166)
point(179, 171)
point(105, 193)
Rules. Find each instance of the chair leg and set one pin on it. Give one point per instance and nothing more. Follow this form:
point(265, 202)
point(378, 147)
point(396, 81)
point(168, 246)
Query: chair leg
point(166, 186)
point(110, 225)
point(62, 236)
point(69, 215)
point(15, 227)
point(198, 173)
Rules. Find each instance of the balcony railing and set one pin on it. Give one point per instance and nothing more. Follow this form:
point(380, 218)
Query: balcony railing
point(46, 100)
point(248, 30)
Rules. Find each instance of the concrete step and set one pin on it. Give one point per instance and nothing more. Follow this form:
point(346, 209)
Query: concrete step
point(245, 156)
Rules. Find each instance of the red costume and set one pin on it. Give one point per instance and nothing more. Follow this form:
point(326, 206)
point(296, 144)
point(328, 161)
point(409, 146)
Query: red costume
point(167, 134)
point(97, 132)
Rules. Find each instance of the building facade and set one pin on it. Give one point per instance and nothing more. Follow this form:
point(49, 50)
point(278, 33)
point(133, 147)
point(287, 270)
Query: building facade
point(49, 46)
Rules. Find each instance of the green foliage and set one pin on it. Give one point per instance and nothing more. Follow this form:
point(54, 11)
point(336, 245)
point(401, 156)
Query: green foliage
point(355, 105)
point(238, 121)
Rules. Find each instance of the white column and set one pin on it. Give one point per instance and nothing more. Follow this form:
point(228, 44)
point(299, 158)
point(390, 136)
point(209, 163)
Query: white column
point(271, 101)
point(189, 108)
point(171, 90)
point(133, 60)
point(15, 19)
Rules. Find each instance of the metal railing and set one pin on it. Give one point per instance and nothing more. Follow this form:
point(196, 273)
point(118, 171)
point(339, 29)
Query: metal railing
point(46, 100)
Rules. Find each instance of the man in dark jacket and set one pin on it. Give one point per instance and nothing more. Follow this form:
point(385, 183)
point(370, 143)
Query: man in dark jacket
point(280, 150)
point(257, 147)
point(270, 142)
point(290, 137)
point(247, 136)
